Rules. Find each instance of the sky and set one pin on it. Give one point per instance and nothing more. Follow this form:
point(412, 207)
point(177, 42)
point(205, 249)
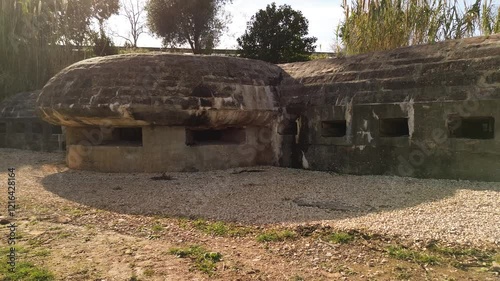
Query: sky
point(323, 16)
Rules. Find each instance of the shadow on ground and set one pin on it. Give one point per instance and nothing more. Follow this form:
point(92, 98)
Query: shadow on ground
point(18, 158)
point(260, 195)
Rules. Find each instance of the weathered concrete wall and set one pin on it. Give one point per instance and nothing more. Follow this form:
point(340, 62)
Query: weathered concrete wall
point(428, 85)
point(164, 149)
point(21, 128)
point(31, 134)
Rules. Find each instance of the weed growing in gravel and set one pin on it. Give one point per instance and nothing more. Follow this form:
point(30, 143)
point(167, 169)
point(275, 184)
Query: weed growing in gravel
point(203, 260)
point(276, 235)
point(42, 253)
point(6, 250)
point(480, 258)
point(401, 253)
point(216, 228)
point(183, 222)
point(157, 227)
point(454, 252)
point(148, 272)
point(24, 270)
point(458, 265)
point(34, 242)
point(340, 237)
point(63, 235)
point(402, 273)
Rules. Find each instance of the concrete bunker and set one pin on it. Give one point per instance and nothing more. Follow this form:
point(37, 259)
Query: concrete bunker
point(21, 128)
point(424, 111)
point(160, 112)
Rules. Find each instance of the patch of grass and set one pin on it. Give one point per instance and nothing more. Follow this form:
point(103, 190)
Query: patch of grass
point(402, 273)
point(276, 235)
point(203, 260)
point(183, 222)
point(63, 235)
point(52, 228)
point(148, 272)
point(401, 253)
point(447, 251)
point(6, 250)
point(458, 265)
point(215, 228)
point(42, 253)
point(484, 256)
point(73, 211)
point(25, 271)
point(76, 212)
point(340, 237)
point(34, 242)
point(157, 227)
point(19, 235)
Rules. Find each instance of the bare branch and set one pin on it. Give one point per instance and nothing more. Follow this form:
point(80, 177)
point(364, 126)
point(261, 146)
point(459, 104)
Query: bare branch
point(133, 11)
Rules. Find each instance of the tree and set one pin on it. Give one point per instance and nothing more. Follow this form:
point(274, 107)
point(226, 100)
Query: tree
point(277, 35)
point(103, 45)
point(74, 18)
point(199, 23)
point(37, 38)
point(376, 25)
point(133, 11)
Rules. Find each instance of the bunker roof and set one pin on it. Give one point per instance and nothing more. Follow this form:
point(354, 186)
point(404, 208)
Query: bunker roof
point(449, 70)
point(164, 89)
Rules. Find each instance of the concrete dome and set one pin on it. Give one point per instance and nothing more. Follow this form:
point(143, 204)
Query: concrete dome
point(162, 89)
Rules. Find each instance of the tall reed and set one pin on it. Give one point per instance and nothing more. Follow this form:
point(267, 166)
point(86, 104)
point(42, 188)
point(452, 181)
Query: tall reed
point(375, 25)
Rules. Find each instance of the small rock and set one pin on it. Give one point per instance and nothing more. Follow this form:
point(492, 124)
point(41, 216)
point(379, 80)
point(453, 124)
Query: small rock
point(4, 221)
point(329, 254)
point(63, 219)
point(495, 267)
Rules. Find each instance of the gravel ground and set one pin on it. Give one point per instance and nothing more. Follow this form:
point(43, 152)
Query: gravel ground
point(460, 212)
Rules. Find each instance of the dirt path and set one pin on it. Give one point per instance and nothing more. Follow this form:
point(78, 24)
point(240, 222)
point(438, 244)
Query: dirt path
point(90, 226)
